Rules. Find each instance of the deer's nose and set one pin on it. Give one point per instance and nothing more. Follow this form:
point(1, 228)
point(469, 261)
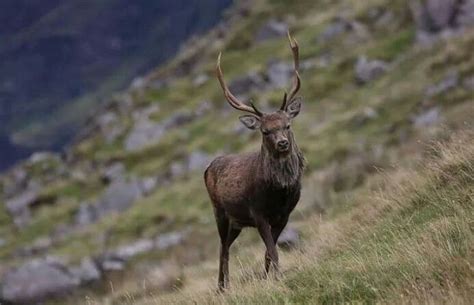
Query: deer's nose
point(283, 144)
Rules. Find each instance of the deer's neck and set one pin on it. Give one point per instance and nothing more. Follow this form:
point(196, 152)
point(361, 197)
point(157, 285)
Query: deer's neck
point(282, 171)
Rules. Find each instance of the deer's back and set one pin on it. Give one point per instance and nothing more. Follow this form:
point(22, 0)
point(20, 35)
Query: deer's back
point(228, 178)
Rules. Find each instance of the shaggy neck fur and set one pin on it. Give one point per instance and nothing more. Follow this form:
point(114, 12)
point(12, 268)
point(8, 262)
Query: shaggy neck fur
point(282, 171)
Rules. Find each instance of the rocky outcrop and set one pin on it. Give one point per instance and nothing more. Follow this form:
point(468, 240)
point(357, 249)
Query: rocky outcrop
point(367, 70)
point(441, 17)
point(271, 30)
point(118, 197)
point(36, 281)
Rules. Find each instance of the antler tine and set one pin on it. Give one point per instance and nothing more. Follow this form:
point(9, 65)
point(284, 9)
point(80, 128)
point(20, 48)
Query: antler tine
point(296, 80)
point(233, 101)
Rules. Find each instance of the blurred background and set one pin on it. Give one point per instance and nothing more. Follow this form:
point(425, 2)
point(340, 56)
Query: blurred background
point(61, 59)
point(110, 112)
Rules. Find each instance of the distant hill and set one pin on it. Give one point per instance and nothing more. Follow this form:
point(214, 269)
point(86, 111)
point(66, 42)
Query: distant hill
point(59, 58)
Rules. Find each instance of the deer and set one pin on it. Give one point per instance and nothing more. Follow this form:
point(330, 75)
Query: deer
point(258, 189)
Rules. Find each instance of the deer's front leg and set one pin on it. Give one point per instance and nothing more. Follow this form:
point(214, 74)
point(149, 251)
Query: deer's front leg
point(276, 231)
point(265, 231)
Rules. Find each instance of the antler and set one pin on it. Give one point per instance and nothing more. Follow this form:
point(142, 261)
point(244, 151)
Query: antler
point(296, 80)
point(233, 101)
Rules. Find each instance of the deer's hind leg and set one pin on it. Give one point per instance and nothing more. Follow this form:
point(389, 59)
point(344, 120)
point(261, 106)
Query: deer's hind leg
point(227, 234)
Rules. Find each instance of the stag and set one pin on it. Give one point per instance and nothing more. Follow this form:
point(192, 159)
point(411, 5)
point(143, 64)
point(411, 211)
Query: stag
point(258, 189)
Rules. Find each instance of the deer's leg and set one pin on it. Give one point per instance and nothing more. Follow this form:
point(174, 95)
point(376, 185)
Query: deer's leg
point(223, 227)
point(227, 234)
point(232, 234)
point(276, 231)
point(265, 232)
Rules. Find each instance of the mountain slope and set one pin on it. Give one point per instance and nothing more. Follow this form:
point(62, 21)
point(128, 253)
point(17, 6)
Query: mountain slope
point(129, 193)
point(60, 58)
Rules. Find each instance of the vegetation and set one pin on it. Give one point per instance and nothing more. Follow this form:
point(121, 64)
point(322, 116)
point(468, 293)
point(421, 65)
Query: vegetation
point(387, 206)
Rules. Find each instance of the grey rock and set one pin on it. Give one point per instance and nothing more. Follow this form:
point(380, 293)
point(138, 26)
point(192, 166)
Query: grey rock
point(468, 83)
point(15, 182)
point(440, 13)
point(436, 18)
point(43, 156)
point(451, 81)
point(148, 184)
point(334, 29)
point(246, 83)
point(367, 114)
point(200, 80)
point(144, 133)
point(3, 242)
point(198, 160)
point(466, 13)
point(368, 70)
point(118, 197)
point(167, 240)
point(112, 264)
point(19, 207)
point(289, 239)
point(115, 171)
point(138, 247)
point(36, 281)
point(87, 272)
point(271, 30)
point(110, 126)
point(177, 169)
point(341, 26)
point(178, 119)
point(279, 73)
point(203, 108)
point(86, 214)
point(427, 118)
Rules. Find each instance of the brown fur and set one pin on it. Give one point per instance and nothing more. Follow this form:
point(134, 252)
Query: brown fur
point(257, 189)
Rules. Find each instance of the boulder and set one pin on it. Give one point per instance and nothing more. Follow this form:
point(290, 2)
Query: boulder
point(200, 80)
point(427, 118)
point(289, 239)
point(15, 182)
point(142, 134)
point(198, 160)
point(113, 172)
point(279, 73)
point(86, 214)
point(167, 240)
point(271, 30)
point(36, 281)
point(446, 17)
point(19, 206)
point(127, 252)
point(245, 84)
point(110, 263)
point(118, 197)
point(368, 70)
point(87, 272)
point(449, 82)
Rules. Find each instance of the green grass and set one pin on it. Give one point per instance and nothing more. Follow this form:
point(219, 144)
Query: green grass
point(411, 242)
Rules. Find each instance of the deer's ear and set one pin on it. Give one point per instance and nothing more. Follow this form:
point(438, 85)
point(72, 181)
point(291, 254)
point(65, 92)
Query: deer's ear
point(250, 121)
point(294, 108)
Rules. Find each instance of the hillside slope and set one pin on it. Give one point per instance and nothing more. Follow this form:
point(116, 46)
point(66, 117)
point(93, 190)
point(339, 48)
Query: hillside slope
point(59, 59)
point(379, 87)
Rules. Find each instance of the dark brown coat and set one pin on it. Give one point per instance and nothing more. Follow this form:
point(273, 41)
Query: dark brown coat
point(257, 189)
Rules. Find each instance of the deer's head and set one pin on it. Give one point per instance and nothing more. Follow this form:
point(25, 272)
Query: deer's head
point(276, 126)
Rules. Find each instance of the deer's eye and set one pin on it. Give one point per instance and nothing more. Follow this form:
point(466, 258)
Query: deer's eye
point(287, 127)
point(265, 132)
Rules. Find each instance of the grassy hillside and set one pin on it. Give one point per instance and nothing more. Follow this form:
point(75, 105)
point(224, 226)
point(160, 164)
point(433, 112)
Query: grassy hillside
point(410, 239)
point(385, 215)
